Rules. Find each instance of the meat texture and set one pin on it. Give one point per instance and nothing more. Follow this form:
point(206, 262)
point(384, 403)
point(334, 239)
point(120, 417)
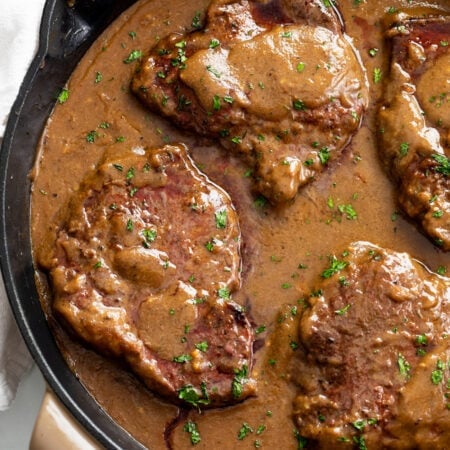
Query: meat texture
point(144, 269)
point(415, 123)
point(373, 367)
point(276, 82)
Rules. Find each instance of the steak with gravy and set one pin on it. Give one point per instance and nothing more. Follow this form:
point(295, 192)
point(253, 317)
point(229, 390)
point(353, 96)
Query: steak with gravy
point(373, 368)
point(276, 82)
point(145, 265)
point(414, 123)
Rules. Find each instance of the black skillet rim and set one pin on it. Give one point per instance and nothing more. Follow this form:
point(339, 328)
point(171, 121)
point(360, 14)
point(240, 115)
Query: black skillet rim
point(66, 33)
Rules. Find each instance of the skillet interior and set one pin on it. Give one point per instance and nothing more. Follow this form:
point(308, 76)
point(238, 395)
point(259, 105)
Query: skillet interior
point(66, 33)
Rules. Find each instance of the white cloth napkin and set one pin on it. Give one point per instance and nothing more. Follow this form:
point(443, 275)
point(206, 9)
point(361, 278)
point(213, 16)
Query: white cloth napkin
point(19, 29)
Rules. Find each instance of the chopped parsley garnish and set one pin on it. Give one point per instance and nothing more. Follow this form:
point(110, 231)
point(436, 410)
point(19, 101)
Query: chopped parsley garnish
point(260, 429)
point(376, 75)
point(359, 424)
point(373, 52)
point(260, 329)
point(260, 201)
point(223, 293)
point(191, 428)
point(244, 431)
point(202, 346)
point(63, 96)
point(404, 148)
point(221, 218)
point(324, 155)
point(286, 34)
point(215, 72)
point(301, 441)
point(403, 365)
point(91, 136)
point(239, 380)
point(189, 395)
point(213, 43)
point(216, 103)
point(183, 101)
point(149, 235)
point(355, 115)
point(133, 56)
point(444, 164)
point(349, 211)
point(335, 267)
point(421, 339)
point(130, 225)
point(210, 245)
point(98, 77)
point(298, 105)
point(342, 311)
point(130, 174)
point(182, 358)
point(196, 21)
point(360, 442)
point(300, 67)
point(437, 376)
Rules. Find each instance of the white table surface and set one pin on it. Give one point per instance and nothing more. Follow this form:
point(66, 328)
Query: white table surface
point(16, 423)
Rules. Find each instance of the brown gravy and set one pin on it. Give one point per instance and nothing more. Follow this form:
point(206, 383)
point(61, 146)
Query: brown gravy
point(284, 249)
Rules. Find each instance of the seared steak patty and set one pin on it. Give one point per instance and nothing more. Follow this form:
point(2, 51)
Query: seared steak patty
point(276, 82)
point(415, 123)
point(373, 367)
point(144, 270)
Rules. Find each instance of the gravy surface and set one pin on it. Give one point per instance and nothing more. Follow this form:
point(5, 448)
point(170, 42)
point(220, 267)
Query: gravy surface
point(284, 248)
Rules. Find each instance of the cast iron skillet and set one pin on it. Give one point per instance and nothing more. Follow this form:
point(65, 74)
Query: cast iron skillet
point(66, 33)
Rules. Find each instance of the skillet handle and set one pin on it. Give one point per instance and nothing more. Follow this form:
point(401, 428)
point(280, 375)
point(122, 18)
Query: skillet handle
point(56, 429)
